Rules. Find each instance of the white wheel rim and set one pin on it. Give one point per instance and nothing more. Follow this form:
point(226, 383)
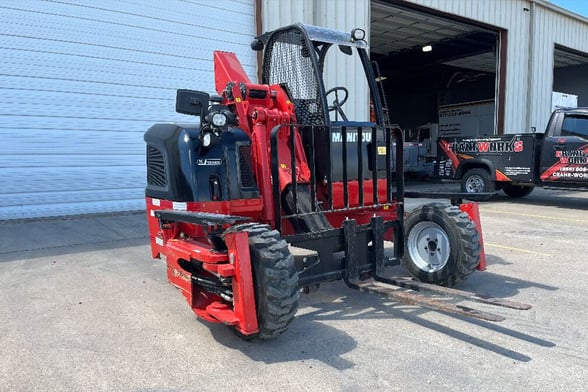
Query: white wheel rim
point(428, 246)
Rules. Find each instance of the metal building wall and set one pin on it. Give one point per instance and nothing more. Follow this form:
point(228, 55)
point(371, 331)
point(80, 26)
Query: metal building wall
point(551, 26)
point(341, 15)
point(279, 13)
point(81, 81)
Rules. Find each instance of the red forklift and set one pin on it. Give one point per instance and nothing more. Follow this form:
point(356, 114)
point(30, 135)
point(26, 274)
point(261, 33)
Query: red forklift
point(275, 191)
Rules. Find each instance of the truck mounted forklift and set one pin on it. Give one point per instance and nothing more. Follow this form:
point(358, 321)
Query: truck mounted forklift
point(275, 191)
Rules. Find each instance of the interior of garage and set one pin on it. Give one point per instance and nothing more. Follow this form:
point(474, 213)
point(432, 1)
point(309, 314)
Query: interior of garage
point(570, 74)
point(459, 67)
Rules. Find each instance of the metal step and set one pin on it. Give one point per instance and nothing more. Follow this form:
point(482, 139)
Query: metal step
point(199, 218)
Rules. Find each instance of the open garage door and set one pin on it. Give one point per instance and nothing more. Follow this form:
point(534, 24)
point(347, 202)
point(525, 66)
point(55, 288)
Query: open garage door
point(436, 69)
point(570, 78)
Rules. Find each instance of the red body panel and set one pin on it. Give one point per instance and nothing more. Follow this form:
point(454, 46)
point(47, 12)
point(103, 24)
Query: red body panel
point(353, 193)
point(243, 292)
point(180, 242)
point(245, 207)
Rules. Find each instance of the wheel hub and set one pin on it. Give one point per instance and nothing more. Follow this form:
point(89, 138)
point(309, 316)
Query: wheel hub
point(432, 245)
point(475, 184)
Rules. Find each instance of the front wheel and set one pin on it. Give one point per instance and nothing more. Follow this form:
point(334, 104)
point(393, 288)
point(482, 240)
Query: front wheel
point(442, 244)
point(517, 191)
point(275, 280)
point(477, 180)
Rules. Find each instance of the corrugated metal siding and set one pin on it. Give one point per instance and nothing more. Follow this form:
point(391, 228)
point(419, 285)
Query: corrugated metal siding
point(81, 81)
point(551, 28)
point(279, 13)
point(339, 15)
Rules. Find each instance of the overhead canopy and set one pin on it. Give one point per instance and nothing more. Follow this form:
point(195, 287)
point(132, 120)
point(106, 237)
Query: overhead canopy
point(319, 34)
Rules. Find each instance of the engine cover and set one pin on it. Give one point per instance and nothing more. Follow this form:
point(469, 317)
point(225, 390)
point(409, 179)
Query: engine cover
point(180, 169)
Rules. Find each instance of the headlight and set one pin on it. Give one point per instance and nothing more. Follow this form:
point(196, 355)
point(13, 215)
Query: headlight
point(219, 120)
point(357, 34)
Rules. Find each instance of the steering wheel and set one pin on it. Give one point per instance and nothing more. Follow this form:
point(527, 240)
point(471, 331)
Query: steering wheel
point(336, 102)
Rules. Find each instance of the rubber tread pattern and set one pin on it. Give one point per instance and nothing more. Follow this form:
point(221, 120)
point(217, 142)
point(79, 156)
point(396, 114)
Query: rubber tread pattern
point(275, 280)
point(463, 259)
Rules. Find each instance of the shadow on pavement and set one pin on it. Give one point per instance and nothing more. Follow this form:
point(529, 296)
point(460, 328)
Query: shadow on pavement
point(310, 337)
point(496, 285)
point(306, 339)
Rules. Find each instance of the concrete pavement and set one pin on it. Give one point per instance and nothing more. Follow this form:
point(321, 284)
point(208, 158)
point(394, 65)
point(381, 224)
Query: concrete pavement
point(84, 307)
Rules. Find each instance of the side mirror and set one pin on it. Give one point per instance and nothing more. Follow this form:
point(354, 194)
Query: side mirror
point(192, 102)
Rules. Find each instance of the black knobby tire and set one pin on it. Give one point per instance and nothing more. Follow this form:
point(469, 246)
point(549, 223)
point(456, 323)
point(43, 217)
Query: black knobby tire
point(517, 191)
point(442, 245)
point(275, 280)
point(477, 180)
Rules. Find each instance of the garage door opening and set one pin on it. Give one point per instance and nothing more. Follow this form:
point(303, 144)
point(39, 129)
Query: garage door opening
point(570, 78)
point(437, 72)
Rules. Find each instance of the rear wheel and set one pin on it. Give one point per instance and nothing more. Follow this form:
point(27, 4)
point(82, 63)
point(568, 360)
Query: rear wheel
point(442, 244)
point(517, 191)
point(275, 280)
point(477, 180)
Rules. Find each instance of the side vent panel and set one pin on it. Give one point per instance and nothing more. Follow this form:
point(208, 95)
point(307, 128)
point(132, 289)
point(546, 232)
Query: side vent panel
point(247, 180)
point(155, 167)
